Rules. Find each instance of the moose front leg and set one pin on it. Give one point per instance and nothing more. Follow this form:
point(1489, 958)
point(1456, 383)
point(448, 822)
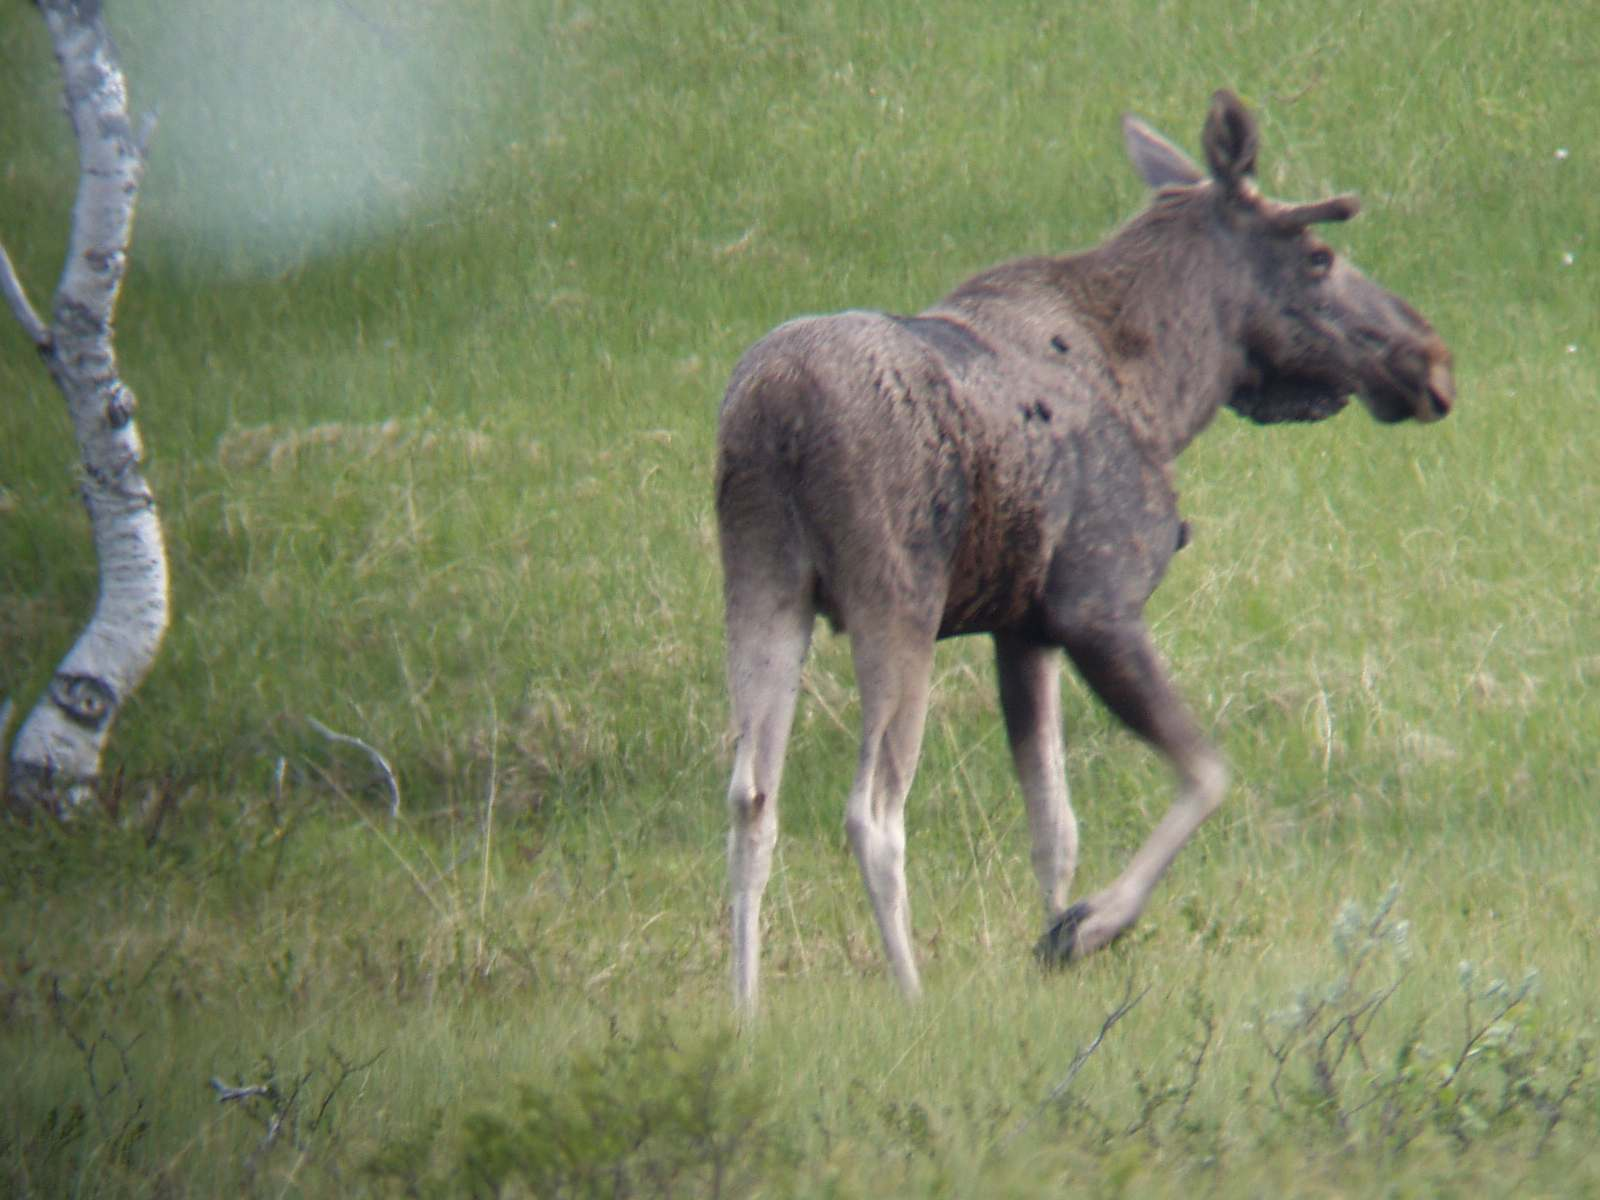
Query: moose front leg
point(1120, 663)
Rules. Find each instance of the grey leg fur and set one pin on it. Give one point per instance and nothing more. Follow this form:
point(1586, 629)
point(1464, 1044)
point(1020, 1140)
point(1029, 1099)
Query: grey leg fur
point(1030, 699)
point(893, 672)
point(766, 648)
point(1120, 663)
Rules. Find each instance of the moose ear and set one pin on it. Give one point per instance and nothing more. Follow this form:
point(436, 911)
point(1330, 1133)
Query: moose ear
point(1230, 140)
point(1159, 163)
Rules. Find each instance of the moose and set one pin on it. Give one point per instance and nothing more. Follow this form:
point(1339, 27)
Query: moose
point(1002, 463)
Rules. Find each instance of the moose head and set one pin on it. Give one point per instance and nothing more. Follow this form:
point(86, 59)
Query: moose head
point(1316, 328)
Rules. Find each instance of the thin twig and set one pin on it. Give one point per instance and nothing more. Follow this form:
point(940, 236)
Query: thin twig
point(166, 802)
point(17, 297)
point(1554, 1112)
point(1208, 1023)
point(377, 758)
point(346, 1070)
point(488, 822)
point(226, 1093)
point(1474, 1036)
point(279, 770)
point(1127, 1005)
point(1129, 1000)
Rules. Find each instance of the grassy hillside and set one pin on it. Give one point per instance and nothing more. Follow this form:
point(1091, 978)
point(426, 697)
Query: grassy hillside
point(429, 313)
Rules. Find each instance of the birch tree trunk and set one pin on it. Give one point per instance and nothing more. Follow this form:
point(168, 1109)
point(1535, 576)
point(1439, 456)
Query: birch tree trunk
point(56, 757)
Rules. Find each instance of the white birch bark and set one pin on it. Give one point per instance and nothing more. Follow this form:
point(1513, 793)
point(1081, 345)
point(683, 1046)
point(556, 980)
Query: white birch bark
point(56, 756)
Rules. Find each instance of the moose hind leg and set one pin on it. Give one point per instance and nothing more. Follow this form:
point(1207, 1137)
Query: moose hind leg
point(893, 671)
point(1121, 664)
point(767, 644)
point(1030, 699)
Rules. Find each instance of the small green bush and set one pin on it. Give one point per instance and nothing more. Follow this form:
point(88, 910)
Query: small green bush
point(1337, 1068)
point(644, 1115)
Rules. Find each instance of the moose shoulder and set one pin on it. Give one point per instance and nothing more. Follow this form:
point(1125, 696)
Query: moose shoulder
point(1001, 463)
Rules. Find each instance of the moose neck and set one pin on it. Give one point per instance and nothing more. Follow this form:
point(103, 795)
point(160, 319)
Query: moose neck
point(1171, 329)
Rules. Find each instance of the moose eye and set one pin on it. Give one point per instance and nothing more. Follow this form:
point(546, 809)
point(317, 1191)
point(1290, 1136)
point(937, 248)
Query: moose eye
point(1320, 261)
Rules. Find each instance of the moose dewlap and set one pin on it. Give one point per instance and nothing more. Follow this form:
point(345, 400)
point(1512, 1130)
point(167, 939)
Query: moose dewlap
point(1001, 464)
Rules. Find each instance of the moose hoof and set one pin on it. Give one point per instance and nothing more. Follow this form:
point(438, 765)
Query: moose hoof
point(1059, 946)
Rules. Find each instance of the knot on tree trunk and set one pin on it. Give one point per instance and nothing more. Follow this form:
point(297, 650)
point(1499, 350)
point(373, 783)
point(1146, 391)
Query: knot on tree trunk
point(120, 407)
point(84, 699)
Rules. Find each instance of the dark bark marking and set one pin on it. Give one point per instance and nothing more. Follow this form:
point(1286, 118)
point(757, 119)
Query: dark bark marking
point(85, 699)
point(119, 409)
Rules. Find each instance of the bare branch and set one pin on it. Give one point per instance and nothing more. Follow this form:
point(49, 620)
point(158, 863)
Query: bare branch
point(1129, 1001)
point(488, 822)
point(378, 760)
point(1553, 1108)
point(166, 802)
point(226, 1093)
point(1124, 1007)
point(17, 297)
point(347, 1070)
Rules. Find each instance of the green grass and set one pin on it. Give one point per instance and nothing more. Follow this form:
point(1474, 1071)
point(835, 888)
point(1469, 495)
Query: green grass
point(436, 472)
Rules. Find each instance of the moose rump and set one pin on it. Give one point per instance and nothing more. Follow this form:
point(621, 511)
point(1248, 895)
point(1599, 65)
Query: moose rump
point(877, 459)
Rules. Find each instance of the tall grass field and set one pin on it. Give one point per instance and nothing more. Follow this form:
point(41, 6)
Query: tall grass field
point(429, 311)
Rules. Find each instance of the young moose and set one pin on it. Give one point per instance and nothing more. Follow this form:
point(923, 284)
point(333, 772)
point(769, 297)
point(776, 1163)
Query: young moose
point(1002, 464)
